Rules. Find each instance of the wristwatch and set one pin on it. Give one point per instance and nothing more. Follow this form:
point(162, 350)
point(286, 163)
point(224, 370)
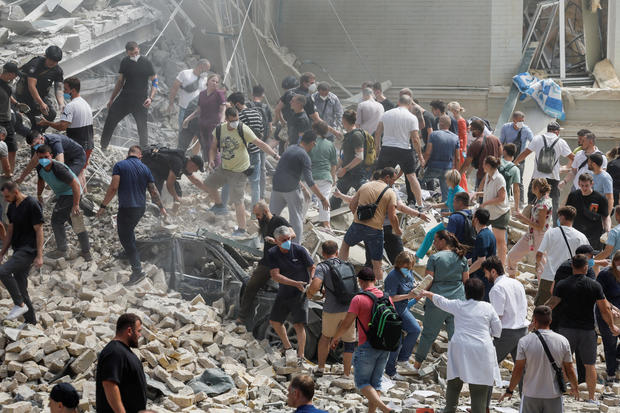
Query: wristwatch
point(508, 391)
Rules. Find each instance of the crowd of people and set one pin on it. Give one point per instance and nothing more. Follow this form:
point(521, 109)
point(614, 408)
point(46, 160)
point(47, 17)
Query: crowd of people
point(332, 155)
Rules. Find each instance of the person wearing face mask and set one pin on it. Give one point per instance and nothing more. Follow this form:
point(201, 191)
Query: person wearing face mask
point(329, 108)
point(284, 112)
point(519, 134)
point(291, 266)
point(399, 285)
point(130, 95)
point(8, 75)
point(64, 149)
point(609, 278)
point(77, 120)
point(267, 224)
point(68, 192)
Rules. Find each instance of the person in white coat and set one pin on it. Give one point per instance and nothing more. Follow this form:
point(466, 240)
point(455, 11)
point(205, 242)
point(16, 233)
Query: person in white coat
point(471, 354)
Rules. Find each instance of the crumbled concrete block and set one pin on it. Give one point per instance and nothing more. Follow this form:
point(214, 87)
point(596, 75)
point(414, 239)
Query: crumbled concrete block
point(19, 407)
point(84, 361)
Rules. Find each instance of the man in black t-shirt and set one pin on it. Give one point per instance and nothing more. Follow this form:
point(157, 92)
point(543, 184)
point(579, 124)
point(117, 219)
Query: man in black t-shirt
point(120, 380)
point(377, 89)
point(579, 294)
point(33, 88)
point(9, 73)
point(132, 90)
point(284, 112)
point(267, 223)
point(25, 235)
point(592, 208)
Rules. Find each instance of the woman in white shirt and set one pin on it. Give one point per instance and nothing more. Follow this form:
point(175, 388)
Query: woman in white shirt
point(471, 354)
point(495, 200)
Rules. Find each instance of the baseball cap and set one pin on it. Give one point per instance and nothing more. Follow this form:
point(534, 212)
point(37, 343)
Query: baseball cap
point(585, 249)
point(553, 126)
point(197, 159)
point(10, 67)
point(366, 274)
point(66, 394)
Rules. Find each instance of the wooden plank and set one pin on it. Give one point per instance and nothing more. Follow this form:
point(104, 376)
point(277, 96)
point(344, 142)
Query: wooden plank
point(511, 100)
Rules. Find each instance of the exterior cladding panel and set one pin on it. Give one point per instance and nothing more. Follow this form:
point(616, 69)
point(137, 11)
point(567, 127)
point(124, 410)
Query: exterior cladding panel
point(506, 40)
point(445, 43)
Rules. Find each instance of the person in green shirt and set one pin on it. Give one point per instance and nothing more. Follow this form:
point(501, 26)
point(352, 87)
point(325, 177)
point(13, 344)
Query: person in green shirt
point(324, 161)
point(511, 173)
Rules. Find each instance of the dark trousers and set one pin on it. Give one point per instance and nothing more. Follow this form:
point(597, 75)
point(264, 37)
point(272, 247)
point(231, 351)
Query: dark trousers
point(35, 111)
point(392, 243)
point(554, 194)
point(521, 167)
point(345, 183)
point(62, 214)
point(504, 345)
point(610, 346)
point(126, 221)
point(257, 280)
point(14, 276)
point(121, 108)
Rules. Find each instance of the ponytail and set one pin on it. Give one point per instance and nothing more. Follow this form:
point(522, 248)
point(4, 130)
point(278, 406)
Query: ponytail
point(454, 244)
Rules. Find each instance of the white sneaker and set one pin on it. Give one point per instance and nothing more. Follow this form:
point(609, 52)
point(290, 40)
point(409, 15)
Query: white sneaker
point(397, 377)
point(407, 368)
point(16, 312)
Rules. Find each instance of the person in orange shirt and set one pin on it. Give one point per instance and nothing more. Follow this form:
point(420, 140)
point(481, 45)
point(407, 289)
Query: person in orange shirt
point(456, 110)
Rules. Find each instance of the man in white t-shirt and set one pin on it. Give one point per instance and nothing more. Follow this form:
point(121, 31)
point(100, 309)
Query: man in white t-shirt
point(369, 112)
point(541, 392)
point(188, 85)
point(556, 249)
point(580, 163)
point(77, 120)
point(400, 144)
point(561, 149)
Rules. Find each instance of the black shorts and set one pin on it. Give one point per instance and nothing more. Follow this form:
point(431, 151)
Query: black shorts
point(294, 306)
point(10, 140)
point(405, 158)
point(582, 342)
point(76, 165)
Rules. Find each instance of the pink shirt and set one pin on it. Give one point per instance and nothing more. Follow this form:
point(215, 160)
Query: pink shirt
point(361, 306)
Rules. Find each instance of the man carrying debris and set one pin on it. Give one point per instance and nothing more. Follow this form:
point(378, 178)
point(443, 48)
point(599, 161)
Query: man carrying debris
point(132, 90)
point(64, 399)
point(68, 192)
point(187, 86)
point(25, 235)
point(9, 73)
point(121, 383)
point(286, 192)
point(292, 268)
point(332, 274)
point(267, 224)
point(33, 87)
point(300, 394)
point(63, 149)
point(131, 178)
point(283, 111)
point(232, 138)
point(77, 120)
point(367, 224)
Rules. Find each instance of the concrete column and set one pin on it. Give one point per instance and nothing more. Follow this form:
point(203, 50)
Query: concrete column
point(613, 35)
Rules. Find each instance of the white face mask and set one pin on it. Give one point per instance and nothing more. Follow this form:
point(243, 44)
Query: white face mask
point(323, 97)
point(618, 267)
point(234, 124)
point(312, 88)
point(519, 125)
point(135, 58)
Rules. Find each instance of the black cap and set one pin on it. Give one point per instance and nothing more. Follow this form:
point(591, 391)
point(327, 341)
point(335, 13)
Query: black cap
point(366, 274)
point(553, 126)
point(66, 394)
point(585, 249)
point(10, 67)
point(197, 159)
point(54, 53)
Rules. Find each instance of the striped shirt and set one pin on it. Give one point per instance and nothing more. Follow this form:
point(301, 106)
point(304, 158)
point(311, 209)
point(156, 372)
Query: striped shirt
point(253, 118)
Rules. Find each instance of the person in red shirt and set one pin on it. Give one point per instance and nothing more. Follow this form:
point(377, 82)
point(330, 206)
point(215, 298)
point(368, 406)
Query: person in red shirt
point(368, 362)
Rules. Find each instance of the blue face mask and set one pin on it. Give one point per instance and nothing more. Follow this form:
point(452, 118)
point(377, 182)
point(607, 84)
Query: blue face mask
point(591, 263)
point(67, 97)
point(44, 162)
point(406, 272)
point(286, 245)
point(37, 146)
point(558, 222)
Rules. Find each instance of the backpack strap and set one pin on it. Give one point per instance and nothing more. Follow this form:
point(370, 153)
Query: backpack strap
point(547, 351)
point(566, 241)
point(374, 302)
point(587, 156)
point(332, 270)
point(218, 134)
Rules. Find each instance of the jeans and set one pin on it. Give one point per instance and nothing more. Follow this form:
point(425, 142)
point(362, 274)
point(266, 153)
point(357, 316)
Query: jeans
point(412, 328)
point(345, 183)
point(610, 346)
point(368, 366)
point(436, 173)
point(373, 239)
point(434, 319)
point(428, 240)
point(62, 214)
point(253, 179)
point(181, 117)
point(392, 244)
point(478, 395)
point(294, 200)
point(521, 167)
point(554, 194)
point(259, 278)
point(126, 221)
point(122, 107)
point(263, 174)
point(14, 276)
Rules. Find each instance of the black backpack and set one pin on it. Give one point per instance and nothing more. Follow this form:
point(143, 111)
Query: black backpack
point(545, 161)
point(469, 233)
point(153, 152)
point(343, 280)
point(386, 327)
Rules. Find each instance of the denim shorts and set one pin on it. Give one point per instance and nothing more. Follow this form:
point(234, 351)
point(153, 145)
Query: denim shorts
point(373, 239)
point(368, 366)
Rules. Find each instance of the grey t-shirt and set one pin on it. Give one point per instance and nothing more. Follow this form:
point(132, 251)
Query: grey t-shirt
point(539, 380)
point(323, 273)
point(4, 150)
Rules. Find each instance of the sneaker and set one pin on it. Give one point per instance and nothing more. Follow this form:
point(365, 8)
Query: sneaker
point(595, 402)
point(86, 255)
point(318, 373)
point(56, 254)
point(135, 278)
point(219, 209)
point(407, 368)
point(16, 311)
point(239, 233)
point(300, 361)
point(397, 377)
